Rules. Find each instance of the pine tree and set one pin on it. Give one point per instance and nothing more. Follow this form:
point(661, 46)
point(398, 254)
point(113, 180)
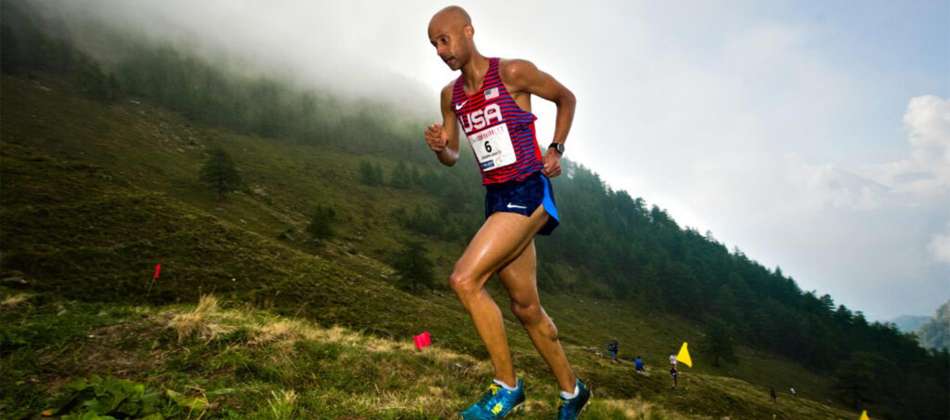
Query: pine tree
point(371, 174)
point(401, 176)
point(220, 174)
point(719, 342)
point(321, 223)
point(413, 268)
point(856, 380)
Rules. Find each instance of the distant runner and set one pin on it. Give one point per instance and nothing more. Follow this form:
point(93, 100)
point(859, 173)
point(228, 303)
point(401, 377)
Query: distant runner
point(613, 347)
point(638, 364)
point(491, 101)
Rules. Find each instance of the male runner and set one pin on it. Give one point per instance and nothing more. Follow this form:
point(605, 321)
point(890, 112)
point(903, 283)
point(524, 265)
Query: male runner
point(491, 101)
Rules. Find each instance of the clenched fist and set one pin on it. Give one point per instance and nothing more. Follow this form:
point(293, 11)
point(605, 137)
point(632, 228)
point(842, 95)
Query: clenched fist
point(436, 138)
point(552, 163)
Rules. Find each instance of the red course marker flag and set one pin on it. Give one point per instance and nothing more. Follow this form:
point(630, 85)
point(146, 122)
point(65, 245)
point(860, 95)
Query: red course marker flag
point(423, 340)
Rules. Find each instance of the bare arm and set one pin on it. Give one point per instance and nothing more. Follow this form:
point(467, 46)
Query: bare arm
point(523, 77)
point(443, 139)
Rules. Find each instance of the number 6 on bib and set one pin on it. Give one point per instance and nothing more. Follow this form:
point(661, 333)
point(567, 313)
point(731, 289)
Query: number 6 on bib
point(493, 147)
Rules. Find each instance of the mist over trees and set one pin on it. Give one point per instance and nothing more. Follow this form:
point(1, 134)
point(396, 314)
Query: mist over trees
point(616, 245)
point(935, 334)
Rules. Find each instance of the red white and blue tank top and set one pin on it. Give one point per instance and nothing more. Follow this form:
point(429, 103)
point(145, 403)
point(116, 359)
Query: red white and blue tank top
point(501, 134)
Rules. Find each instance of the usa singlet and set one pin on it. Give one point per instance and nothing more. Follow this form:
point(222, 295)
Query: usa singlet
point(500, 132)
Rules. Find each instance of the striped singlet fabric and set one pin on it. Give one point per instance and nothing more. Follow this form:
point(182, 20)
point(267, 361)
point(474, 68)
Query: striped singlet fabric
point(501, 134)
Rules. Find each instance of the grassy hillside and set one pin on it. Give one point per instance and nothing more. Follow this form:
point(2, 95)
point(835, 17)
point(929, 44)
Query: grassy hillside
point(94, 195)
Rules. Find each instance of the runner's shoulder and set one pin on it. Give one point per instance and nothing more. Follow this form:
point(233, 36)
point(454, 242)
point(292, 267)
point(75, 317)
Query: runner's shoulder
point(514, 69)
point(448, 88)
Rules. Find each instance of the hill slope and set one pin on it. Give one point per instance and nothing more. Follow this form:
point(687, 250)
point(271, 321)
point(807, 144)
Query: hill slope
point(95, 195)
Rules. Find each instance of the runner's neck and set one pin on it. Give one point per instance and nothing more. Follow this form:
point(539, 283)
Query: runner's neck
point(474, 72)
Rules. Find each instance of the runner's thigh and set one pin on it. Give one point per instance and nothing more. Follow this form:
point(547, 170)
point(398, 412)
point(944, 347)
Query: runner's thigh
point(499, 241)
point(520, 277)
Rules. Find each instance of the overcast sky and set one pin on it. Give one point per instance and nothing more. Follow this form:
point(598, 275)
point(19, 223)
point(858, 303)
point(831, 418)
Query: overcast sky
point(814, 136)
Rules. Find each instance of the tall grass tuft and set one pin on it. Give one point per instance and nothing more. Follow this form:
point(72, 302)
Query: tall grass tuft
point(198, 322)
point(282, 404)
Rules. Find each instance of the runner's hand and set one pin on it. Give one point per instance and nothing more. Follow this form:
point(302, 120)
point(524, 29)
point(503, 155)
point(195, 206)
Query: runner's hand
point(436, 138)
point(552, 163)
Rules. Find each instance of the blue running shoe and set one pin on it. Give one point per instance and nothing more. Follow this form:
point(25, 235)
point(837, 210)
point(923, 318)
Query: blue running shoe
point(497, 403)
point(570, 409)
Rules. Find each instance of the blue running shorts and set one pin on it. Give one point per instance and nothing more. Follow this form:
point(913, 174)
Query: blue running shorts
point(523, 197)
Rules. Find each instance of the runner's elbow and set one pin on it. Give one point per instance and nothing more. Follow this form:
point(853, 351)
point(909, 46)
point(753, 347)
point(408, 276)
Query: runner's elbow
point(448, 157)
point(567, 98)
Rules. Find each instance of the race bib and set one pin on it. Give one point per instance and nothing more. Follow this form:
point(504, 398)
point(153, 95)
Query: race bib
point(493, 148)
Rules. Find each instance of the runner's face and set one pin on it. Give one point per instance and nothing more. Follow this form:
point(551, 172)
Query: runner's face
point(450, 44)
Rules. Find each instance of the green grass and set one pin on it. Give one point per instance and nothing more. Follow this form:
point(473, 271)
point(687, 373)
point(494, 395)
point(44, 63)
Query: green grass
point(94, 195)
point(236, 360)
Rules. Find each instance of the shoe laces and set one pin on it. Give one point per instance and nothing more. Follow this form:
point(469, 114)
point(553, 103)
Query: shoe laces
point(492, 391)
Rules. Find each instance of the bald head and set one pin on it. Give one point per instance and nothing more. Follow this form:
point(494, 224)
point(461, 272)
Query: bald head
point(451, 33)
point(454, 15)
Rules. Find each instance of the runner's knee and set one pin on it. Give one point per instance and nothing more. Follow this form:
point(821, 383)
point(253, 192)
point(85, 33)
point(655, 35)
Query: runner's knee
point(532, 316)
point(529, 314)
point(464, 284)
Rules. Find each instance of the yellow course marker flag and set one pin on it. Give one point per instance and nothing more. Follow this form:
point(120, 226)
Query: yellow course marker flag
point(864, 415)
point(684, 356)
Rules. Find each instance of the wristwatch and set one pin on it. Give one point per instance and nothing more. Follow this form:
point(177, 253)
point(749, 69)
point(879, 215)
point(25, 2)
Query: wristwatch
point(557, 146)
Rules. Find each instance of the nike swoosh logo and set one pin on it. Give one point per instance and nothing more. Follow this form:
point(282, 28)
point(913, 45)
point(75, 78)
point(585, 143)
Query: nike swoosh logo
point(515, 206)
point(459, 106)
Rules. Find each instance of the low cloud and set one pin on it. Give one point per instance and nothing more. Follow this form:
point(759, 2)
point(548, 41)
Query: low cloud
point(925, 173)
point(939, 246)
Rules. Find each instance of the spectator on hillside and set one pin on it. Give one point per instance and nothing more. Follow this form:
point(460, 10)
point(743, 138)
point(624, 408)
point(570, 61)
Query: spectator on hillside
point(674, 373)
point(638, 364)
point(613, 347)
point(772, 393)
point(673, 361)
